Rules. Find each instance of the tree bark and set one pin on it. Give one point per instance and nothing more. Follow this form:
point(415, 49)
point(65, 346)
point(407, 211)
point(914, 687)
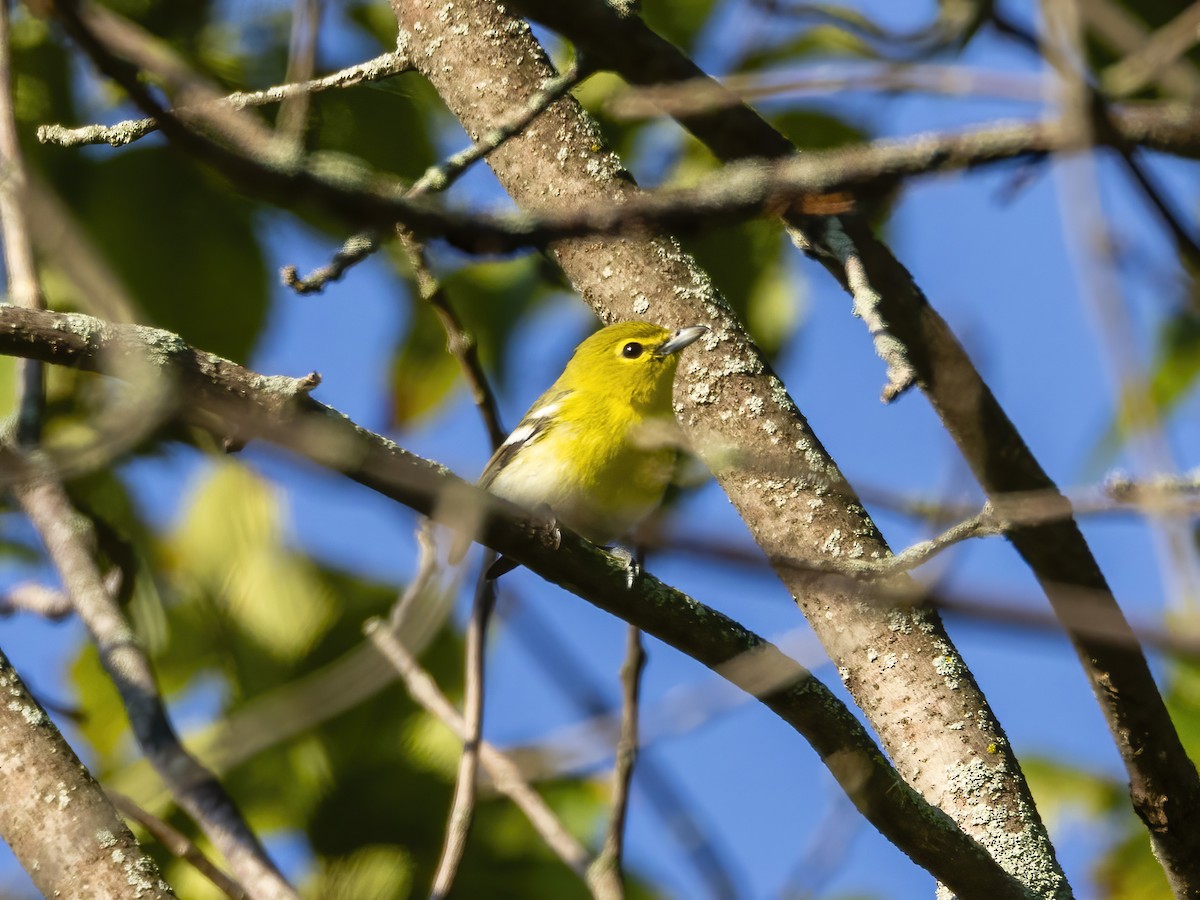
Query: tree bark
point(900, 666)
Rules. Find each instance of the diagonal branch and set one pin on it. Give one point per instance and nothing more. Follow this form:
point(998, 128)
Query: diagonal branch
point(780, 480)
point(68, 537)
point(383, 66)
point(233, 400)
point(1165, 789)
point(607, 868)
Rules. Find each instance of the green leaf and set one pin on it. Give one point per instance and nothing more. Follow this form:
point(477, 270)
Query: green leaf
point(679, 21)
point(1176, 373)
point(230, 544)
point(186, 250)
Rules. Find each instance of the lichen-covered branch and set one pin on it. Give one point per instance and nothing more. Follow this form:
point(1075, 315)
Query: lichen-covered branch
point(230, 399)
point(784, 485)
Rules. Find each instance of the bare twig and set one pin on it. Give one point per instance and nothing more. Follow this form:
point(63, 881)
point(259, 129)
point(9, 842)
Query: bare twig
point(356, 248)
point(383, 66)
point(20, 266)
point(436, 178)
point(462, 809)
point(440, 177)
point(67, 536)
point(38, 599)
point(461, 345)
point(504, 774)
point(231, 399)
point(606, 872)
point(177, 844)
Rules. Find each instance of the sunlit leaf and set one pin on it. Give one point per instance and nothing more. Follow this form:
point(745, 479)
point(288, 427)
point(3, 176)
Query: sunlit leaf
point(231, 544)
point(188, 253)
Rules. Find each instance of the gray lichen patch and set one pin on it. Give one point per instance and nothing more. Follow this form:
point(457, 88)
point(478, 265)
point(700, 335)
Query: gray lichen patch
point(1007, 828)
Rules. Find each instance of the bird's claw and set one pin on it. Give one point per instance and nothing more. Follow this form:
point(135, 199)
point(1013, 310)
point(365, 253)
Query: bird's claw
point(549, 524)
point(633, 568)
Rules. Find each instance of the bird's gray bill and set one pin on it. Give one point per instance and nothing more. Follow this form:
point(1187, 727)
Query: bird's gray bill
point(681, 339)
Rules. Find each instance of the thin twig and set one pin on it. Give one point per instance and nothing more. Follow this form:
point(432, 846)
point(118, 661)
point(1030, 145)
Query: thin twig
point(19, 263)
point(177, 844)
point(68, 538)
point(383, 66)
point(441, 176)
point(462, 808)
point(436, 178)
point(606, 873)
point(47, 602)
point(291, 122)
point(461, 345)
point(550, 650)
point(503, 772)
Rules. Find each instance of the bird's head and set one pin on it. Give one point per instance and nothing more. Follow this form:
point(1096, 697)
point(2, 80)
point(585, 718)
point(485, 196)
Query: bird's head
point(634, 360)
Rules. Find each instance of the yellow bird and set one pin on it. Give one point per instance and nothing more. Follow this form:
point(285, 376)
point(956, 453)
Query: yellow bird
point(598, 448)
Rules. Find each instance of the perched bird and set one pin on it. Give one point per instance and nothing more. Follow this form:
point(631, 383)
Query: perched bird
point(599, 447)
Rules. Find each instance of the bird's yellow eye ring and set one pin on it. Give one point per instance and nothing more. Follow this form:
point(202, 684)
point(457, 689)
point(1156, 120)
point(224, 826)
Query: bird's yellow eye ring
point(632, 350)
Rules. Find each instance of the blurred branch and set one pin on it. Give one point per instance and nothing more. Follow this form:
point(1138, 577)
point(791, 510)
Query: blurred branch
point(550, 651)
point(232, 399)
point(1114, 25)
point(1157, 53)
point(503, 772)
point(31, 597)
point(177, 844)
point(383, 66)
point(292, 121)
point(918, 346)
point(460, 344)
point(435, 179)
point(607, 869)
point(19, 264)
point(1079, 611)
point(953, 24)
point(68, 538)
point(686, 98)
point(462, 809)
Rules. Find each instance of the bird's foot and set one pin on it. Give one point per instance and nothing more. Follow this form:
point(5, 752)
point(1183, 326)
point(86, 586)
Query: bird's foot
point(633, 568)
point(549, 524)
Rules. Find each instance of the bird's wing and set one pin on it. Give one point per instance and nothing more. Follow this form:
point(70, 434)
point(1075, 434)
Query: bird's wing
point(532, 428)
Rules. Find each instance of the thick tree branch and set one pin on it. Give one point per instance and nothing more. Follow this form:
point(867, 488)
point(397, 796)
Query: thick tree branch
point(915, 340)
point(793, 498)
point(233, 400)
point(55, 817)
point(68, 537)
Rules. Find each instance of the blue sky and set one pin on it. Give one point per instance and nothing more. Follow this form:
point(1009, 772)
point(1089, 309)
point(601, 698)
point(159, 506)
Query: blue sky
point(1000, 271)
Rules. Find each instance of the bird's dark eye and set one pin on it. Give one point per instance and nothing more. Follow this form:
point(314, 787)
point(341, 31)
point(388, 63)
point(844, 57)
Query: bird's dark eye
point(632, 350)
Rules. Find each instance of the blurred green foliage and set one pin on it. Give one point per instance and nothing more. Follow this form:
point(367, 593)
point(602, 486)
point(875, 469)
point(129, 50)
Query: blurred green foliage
point(233, 612)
